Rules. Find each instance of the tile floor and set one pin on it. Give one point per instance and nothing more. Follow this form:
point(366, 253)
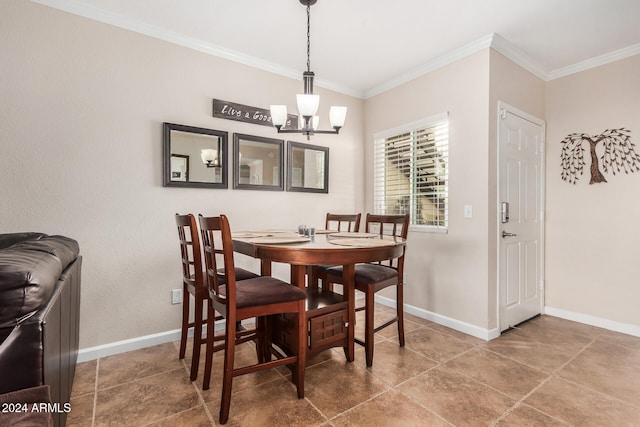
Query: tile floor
point(546, 372)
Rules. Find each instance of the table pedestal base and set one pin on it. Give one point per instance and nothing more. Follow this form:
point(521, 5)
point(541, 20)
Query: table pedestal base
point(327, 323)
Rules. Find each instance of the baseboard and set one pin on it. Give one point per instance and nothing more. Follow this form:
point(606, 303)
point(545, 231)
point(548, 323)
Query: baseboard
point(611, 325)
point(489, 334)
point(467, 328)
point(92, 353)
point(118, 347)
point(110, 349)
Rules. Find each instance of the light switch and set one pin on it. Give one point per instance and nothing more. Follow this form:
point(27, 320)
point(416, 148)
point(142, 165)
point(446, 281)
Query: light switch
point(468, 211)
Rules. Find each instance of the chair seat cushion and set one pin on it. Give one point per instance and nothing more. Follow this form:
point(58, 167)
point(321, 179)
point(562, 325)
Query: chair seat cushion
point(263, 290)
point(365, 274)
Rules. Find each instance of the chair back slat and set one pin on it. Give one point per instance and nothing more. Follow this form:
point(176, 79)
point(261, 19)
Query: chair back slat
point(343, 222)
point(218, 257)
point(389, 225)
point(190, 250)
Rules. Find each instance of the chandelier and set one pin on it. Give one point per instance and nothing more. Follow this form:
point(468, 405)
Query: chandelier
point(307, 101)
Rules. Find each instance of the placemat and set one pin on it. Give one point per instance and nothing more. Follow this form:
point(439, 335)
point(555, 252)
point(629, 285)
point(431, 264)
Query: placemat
point(362, 242)
point(353, 234)
point(249, 234)
point(326, 231)
point(280, 240)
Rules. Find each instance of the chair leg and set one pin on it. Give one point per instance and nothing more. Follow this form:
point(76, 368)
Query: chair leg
point(227, 376)
point(267, 328)
point(400, 313)
point(302, 349)
point(197, 337)
point(185, 322)
point(211, 320)
point(263, 344)
point(369, 326)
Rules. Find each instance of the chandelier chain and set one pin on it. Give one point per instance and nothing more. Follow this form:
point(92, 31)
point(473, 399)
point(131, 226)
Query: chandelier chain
point(308, 37)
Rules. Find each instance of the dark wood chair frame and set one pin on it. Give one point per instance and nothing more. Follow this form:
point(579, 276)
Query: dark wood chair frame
point(350, 221)
point(222, 294)
point(399, 227)
point(192, 284)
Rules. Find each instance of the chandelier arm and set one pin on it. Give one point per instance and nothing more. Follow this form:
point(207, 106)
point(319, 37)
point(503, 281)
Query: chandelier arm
point(310, 132)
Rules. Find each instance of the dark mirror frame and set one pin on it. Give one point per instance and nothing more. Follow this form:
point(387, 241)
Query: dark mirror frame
point(167, 182)
point(278, 145)
point(290, 187)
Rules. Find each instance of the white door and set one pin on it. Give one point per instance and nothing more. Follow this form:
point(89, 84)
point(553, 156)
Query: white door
point(521, 215)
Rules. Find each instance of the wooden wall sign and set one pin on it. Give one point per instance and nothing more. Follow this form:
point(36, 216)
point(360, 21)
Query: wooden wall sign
point(247, 114)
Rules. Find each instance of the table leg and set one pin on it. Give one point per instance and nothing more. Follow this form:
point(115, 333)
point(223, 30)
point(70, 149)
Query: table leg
point(312, 273)
point(298, 275)
point(349, 292)
point(265, 267)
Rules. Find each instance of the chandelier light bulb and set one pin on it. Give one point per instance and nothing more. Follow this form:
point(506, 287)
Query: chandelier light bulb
point(278, 115)
point(337, 116)
point(308, 104)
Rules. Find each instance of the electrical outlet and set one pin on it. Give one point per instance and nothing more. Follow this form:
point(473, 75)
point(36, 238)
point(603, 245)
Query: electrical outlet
point(468, 211)
point(176, 296)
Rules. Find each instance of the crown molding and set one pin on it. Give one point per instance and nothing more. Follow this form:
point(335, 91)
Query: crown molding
point(492, 40)
point(91, 12)
point(607, 58)
point(499, 44)
point(94, 13)
point(448, 58)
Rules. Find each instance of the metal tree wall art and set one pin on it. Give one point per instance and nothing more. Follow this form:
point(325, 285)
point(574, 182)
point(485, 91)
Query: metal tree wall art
point(619, 155)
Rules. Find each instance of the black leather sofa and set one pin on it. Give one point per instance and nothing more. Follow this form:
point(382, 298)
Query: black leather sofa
point(39, 315)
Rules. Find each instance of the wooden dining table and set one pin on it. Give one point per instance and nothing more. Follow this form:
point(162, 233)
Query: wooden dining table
point(331, 315)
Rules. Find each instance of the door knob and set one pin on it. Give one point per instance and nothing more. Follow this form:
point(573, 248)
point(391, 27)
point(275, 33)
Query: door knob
point(505, 234)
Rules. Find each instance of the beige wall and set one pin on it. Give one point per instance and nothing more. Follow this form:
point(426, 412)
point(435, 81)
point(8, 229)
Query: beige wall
point(446, 273)
point(593, 231)
point(81, 155)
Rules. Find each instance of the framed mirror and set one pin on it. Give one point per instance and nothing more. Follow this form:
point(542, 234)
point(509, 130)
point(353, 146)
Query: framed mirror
point(307, 168)
point(194, 157)
point(258, 163)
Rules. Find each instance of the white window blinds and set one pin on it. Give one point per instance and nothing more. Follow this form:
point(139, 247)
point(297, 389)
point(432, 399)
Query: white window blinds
point(411, 172)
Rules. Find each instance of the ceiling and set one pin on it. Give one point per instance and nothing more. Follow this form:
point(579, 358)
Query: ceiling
point(362, 47)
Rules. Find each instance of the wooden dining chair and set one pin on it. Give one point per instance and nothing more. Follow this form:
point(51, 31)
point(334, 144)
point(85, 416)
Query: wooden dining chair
point(343, 222)
point(333, 222)
point(373, 277)
point(193, 284)
point(235, 300)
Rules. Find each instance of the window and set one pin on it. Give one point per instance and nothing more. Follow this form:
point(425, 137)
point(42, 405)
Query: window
point(411, 172)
